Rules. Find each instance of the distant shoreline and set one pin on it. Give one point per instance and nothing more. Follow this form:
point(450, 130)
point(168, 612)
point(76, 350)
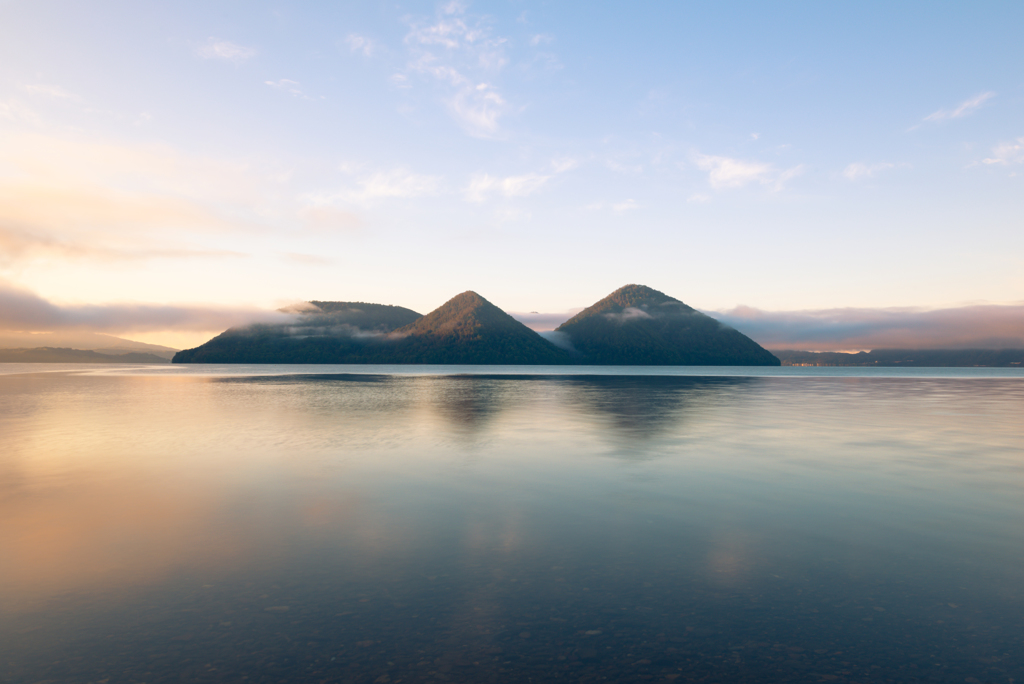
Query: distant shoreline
point(906, 358)
point(878, 358)
point(68, 355)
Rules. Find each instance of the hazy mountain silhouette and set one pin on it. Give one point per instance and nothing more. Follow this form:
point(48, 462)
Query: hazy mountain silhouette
point(78, 340)
point(66, 355)
point(639, 326)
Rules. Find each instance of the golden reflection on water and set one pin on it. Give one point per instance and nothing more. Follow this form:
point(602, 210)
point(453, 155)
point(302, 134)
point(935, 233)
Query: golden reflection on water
point(109, 482)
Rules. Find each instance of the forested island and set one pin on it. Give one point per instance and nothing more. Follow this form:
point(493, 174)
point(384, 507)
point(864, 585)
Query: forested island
point(635, 325)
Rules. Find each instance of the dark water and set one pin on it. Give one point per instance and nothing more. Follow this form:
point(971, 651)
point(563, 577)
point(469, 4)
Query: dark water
point(373, 528)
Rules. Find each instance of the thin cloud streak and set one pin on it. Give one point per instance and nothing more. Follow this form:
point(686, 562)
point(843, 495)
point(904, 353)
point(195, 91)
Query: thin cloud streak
point(287, 85)
point(464, 56)
point(978, 326)
point(727, 172)
point(859, 171)
point(357, 43)
point(55, 92)
point(25, 311)
point(225, 49)
point(1007, 153)
point(399, 183)
point(482, 185)
point(93, 199)
point(963, 109)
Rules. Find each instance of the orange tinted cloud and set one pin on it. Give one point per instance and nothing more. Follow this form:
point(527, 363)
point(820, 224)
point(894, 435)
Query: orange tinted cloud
point(66, 198)
point(26, 311)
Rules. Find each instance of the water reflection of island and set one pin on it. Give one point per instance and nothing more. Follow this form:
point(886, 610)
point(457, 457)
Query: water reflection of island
point(640, 408)
point(635, 408)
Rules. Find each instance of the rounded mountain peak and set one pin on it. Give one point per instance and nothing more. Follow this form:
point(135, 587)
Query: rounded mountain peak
point(467, 298)
point(634, 295)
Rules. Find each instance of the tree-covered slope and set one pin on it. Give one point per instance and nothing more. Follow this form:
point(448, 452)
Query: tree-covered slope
point(470, 330)
point(323, 332)
point(637, 325)
point(465, 330)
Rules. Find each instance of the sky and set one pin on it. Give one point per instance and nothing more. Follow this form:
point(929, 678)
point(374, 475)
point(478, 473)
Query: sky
point(168, 169)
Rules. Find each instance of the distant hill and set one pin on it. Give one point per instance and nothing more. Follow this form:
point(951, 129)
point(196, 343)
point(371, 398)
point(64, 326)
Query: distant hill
point(325, 332)
point(468, 329)
point(907, 358)
point(639, 326)
point(105, 344)
point(65, 355)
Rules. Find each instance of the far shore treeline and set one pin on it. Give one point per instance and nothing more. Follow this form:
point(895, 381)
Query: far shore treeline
point(633, 326)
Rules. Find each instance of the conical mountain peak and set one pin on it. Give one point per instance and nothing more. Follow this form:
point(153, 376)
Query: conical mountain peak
point(461, 315)
point(638, 325)
point(634, 295)
point(645, 300)
point(469, 329)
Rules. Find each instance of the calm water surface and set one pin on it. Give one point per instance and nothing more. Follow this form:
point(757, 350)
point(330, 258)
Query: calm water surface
point(283, 524)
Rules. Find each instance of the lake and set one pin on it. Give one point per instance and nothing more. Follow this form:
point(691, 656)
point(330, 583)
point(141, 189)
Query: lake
point(494, 524)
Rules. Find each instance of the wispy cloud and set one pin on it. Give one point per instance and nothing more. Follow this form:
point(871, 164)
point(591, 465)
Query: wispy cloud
point(483, 185)
point(398, 183)
point(68, 198)
point(1007, 153)
point(463, 56)
point(621, 167)
point(23, 310)
point(287, 85)
point(215, 48)
point(307, 259)
point(617, 207)
point(728, 172)
point(859, 171)
point(963, 109)
point(361, 44)
point(321, 217)
point(51, 91)
point(563, 164)
point(980, 326)
point(18, 112)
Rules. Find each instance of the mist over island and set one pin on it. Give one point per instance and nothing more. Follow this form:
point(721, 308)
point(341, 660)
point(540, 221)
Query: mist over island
point(635, 325)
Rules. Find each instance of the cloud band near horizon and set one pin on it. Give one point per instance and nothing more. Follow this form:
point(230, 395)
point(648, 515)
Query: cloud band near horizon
point(981, 326)
point(24, 311)
point(986, 326)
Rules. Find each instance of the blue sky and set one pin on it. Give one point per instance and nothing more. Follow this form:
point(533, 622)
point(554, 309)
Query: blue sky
point(782, 156)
